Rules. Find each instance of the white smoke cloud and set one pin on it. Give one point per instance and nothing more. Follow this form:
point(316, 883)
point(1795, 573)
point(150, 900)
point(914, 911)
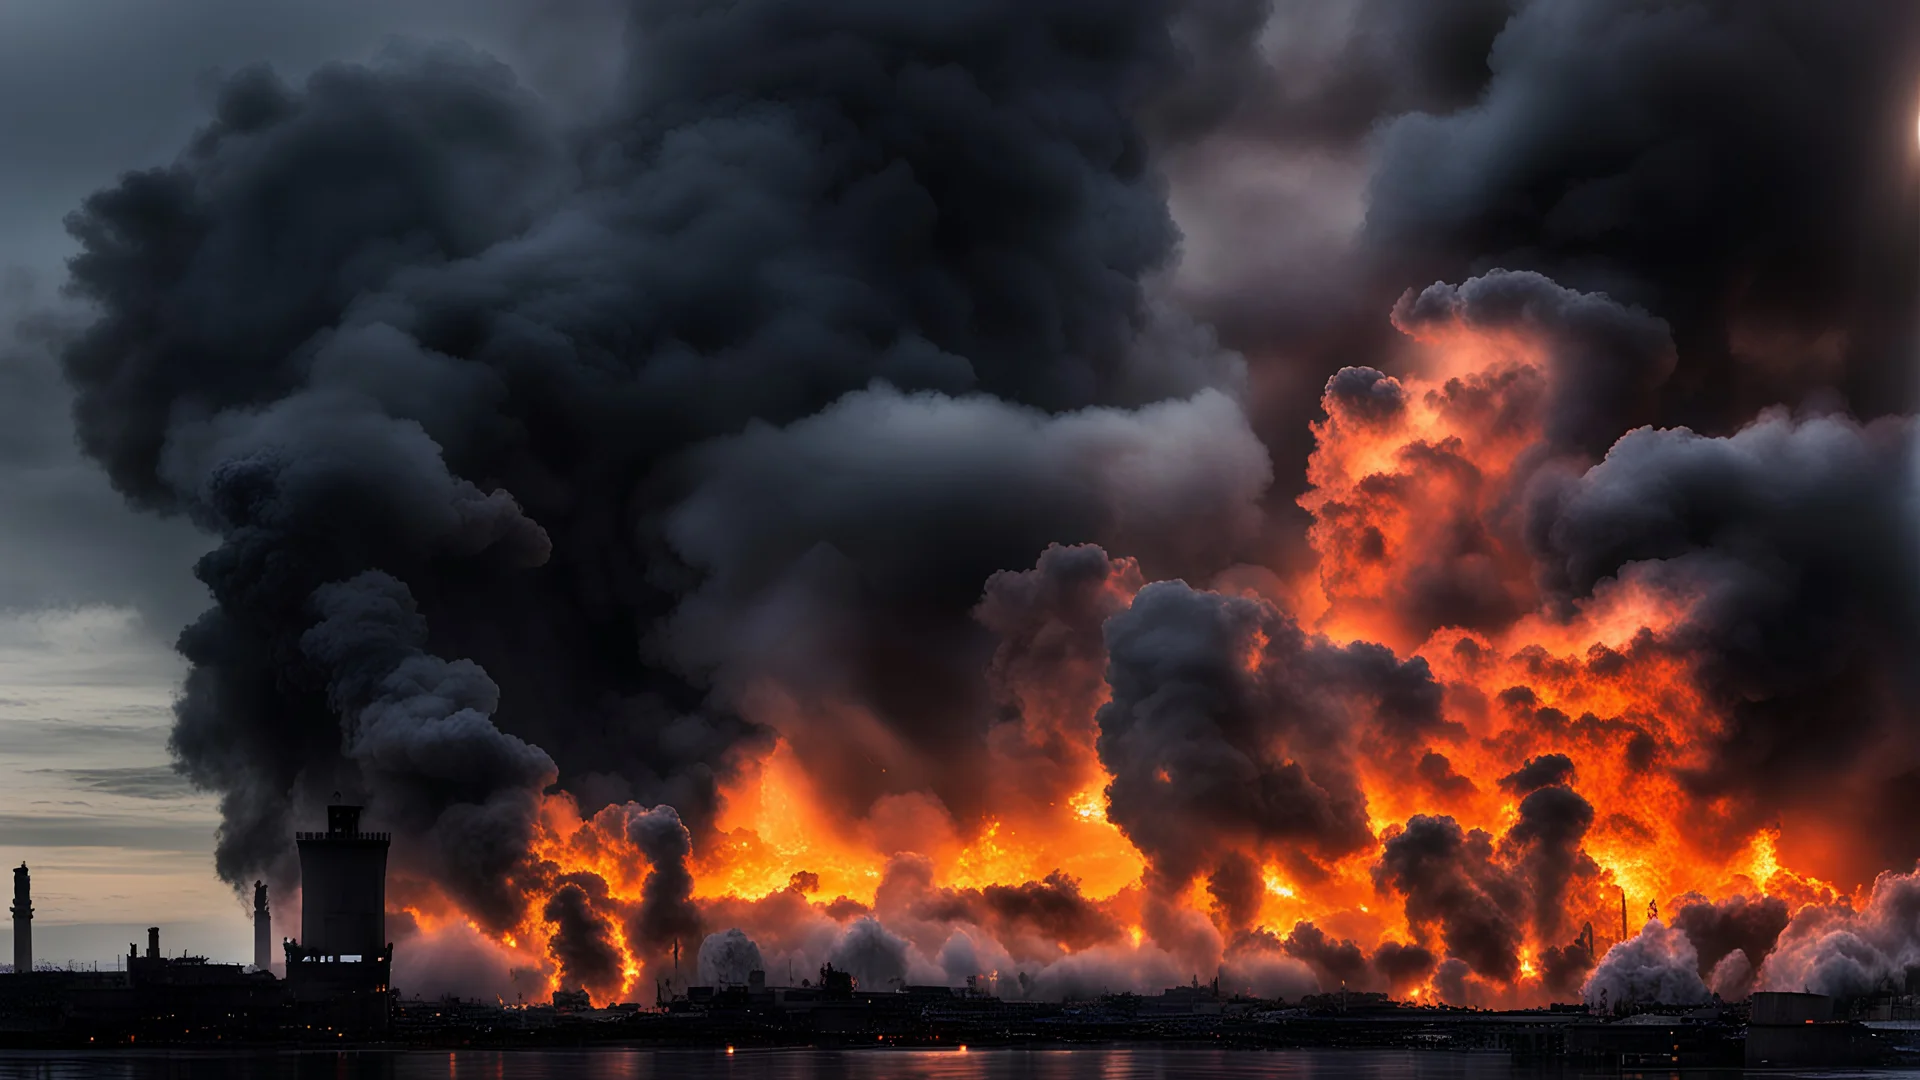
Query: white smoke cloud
point(1832, 949)
point(1659, 967)
point(727, 958)
point(1732, 977)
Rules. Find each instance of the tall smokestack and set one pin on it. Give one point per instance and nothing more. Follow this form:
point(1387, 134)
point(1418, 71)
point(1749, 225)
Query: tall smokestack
point(343, 888)
point(22, 919)
point(262, 928)
point(153, 943)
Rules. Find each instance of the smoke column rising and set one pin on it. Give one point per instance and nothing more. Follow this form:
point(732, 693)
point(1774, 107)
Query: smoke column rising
point(790, 513)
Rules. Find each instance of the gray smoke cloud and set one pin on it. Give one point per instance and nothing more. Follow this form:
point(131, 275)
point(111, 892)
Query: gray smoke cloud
point(1833, 949)
point(876, 957)
point(728, 958)
point(1658, 966)
point(1732, 979)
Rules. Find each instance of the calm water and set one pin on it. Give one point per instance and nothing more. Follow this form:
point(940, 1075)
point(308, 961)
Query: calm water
point(1116, 1063)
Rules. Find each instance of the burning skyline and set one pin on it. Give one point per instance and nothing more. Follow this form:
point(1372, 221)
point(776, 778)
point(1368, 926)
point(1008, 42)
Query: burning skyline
point(795, 509)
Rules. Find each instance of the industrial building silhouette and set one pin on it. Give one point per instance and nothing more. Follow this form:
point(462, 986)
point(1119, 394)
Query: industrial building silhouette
point(336, 979)
point(340, 968)
point(22, 919)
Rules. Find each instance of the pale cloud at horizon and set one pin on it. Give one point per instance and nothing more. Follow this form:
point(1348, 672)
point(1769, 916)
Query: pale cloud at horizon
point(91, 804)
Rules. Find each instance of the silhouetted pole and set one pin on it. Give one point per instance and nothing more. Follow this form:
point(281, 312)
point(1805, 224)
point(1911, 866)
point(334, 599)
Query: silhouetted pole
point(262, 929)
point(22, 920)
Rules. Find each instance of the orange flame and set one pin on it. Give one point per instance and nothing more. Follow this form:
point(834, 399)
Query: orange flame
point(1389, 496)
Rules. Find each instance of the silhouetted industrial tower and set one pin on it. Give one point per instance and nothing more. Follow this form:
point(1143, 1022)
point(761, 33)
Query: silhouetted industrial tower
point(262, 929)
point(22, 920)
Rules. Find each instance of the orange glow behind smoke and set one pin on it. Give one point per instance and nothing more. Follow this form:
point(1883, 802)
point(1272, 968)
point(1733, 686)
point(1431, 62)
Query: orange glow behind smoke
point(774, 826)
point(1388, 497)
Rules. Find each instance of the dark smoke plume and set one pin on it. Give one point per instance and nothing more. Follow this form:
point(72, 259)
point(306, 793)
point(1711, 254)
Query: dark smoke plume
point(1403, 966)
point(1738, 924)
point(1791, 541)
point(1487, 898)
point(551, 456)
point(1537, 773)
point(421, 732)
point(1236, 886)
point(1335, 963)
point(666, 914)
point(582, 942)
point(1734, 166)
point(716, 344)
point(1052, 910)
point(1544, 847)
point(1232, 730)
point(1451, 882)
point(1048, 673)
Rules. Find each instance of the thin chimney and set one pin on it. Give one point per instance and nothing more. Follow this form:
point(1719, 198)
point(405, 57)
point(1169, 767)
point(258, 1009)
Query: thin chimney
point(22, 920)
point(262, 929)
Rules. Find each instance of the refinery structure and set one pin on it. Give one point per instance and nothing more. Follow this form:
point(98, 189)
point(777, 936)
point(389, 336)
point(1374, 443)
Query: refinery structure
point(334, 982)
point(336, 985)
point(336, 973)
point(22, 919)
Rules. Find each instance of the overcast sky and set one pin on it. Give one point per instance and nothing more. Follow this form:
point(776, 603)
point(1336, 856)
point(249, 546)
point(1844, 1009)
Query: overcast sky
point(91, 593)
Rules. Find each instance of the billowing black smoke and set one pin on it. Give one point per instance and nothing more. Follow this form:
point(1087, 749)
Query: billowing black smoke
point(547, 454)
point(1231, 731)
point(582, 942)
point(1739, 168)
point(1483, 899)
point(666, 914)
point(420, 732)
point(1736, 927)
point(1791, 542)
point(1453, 885)
point(1734, 166)
point(757, 379)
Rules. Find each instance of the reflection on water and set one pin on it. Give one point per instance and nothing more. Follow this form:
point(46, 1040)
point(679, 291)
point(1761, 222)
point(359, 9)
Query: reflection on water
point(1109, 1063)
